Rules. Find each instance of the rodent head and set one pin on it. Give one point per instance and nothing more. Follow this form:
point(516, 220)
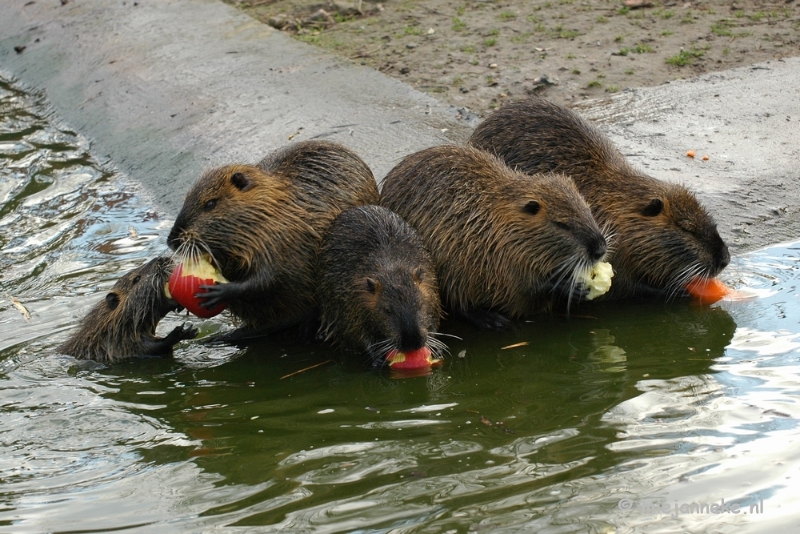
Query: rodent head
point(403, 309)
point(667, 238)
point(114, 327)
point(238, 214)
point(552, 224)
point(138, 296)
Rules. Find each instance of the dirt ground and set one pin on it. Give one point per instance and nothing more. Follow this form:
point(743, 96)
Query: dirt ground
point(476, 53)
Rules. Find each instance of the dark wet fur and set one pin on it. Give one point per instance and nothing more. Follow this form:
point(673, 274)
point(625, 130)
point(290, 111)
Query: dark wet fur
point(505, 244)
point(263, 225)
point(378, 287)
point(123, 324)
point(662, 236)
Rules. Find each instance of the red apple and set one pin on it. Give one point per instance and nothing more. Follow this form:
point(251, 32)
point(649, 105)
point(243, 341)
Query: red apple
point(413, 359)
point(185, 281)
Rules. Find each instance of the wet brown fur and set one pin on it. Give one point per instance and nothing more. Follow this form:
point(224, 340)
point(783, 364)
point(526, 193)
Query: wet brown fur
point(378, 289)
point(501, 240)
point(263, 224)
point(123, 324)
point(662, 236)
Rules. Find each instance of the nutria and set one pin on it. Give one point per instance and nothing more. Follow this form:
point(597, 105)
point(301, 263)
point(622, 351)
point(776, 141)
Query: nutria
point(123, 324)
point(662, 236)
point(504, 243)
point(262, 226)
point(377, 290)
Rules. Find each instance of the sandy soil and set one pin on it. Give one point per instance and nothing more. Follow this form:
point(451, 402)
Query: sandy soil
point(476, 53)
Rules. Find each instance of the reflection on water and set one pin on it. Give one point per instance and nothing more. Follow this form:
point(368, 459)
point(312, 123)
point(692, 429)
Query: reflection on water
point(602, 422)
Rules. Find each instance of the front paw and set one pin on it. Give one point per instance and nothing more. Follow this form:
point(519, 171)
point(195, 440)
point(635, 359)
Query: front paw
point(215, 295)
point(179, 333)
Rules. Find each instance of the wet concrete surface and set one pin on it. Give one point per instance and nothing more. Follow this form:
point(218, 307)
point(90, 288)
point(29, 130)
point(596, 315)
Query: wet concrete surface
point(167, 89)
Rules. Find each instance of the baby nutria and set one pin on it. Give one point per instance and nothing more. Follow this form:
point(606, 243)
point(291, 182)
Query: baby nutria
point(504, 243)
point(262, 226)
point(378, 290)
point(123, 324)
point(662, 236)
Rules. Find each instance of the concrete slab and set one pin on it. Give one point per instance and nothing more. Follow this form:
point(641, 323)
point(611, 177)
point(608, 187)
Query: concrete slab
point(165, 89)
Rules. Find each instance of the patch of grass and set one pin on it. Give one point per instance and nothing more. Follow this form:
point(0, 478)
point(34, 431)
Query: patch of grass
point(687, 18)
point(612, 89)
point(507, 15)
point(459, 25)
point(618, 39)
point(460, 10)
point(601, 19)
point(474, 62)
point(664, 13)
point(340, 18)
point(570, 56)
point(623, 51)
point(310, 38)
point(458, 80)
point(469, 49)
point(629, 71)
point(666, 33)
point(540, 28)
point(535, 19)
point(561, 33)
point(685, 57)
point(726, 51)
point(490, 41)
point(624, 10)
point(723, 29)
point(640, 48)
point(493, 33)
point(412, 30)
point(521, 38)
point(757, 16)
point(739, 13)
point(594, 83)
point(576, 71)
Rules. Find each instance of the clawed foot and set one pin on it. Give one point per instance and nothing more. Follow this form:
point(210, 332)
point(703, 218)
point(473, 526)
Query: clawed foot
point(217, 294)
point(179, 333)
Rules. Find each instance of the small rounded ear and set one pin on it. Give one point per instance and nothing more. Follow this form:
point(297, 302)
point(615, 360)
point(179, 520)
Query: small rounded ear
point(371, 285)
point(419, 274)
point(240, 181)
point(532, 207)
point(112, 300)
point(654, 208)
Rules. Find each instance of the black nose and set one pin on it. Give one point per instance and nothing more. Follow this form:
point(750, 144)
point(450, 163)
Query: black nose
point(411, 334)
point(722, 258)
point(173, 240)
point(597, 248)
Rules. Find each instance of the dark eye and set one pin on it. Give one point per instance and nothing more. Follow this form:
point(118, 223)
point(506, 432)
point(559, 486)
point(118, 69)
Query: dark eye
point(562, 225)
point(654, 208)
point(371, 285)
point(136, 279)
point(210, 205)
point(112, 300)
point(532, 207)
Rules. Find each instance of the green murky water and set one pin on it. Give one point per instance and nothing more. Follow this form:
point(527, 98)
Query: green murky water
point(616, 422)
